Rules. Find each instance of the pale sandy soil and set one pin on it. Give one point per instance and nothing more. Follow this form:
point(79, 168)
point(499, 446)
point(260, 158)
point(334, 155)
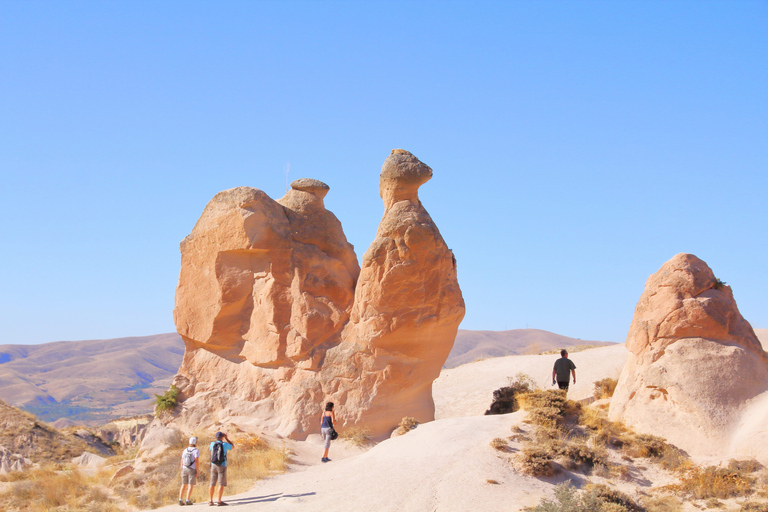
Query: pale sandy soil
point(445, 465)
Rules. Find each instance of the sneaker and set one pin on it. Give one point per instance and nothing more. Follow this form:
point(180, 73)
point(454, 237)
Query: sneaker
point(189, 503)
point(181, 503)
point(324, 459)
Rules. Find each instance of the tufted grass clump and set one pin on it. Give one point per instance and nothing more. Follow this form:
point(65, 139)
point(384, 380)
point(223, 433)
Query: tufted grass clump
point(604, 388)
point(359, 436)
point(715, 482)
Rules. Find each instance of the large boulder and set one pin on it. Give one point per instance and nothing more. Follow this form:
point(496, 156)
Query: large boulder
point(278, 318)
point(695, 365)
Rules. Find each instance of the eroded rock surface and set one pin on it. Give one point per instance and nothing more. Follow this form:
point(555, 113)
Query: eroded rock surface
point(695, 364)
point(278, 318)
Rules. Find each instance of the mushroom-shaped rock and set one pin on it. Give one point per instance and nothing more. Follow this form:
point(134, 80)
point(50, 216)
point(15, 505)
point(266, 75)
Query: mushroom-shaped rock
point(277, 317)
point(694, 364)
point(408, 307)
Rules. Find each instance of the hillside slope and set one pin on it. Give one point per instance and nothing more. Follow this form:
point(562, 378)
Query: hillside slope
point(89, 381)
point(471, 346)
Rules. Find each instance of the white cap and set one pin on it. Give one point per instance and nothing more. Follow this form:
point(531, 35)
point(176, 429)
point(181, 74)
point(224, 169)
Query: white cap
point(193, 440)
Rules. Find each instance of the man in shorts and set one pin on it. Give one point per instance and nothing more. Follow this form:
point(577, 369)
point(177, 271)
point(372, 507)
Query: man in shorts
point(563, 370)
point(189, 460)
point(219, 470)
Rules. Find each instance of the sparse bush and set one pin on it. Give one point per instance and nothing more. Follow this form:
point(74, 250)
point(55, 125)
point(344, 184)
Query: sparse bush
point(505, 399)
point(614, 497)
point(754, 506)
point(499, 444)
point(537, 460)
point(663, 504)
point(568, 499)
point(359, 436)
point(718, 284)
point(167, 401)
point(715, 482)
point(744, 466)
point(407, 424)
point(604, 388)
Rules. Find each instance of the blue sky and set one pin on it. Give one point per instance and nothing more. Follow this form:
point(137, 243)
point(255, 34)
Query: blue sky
point(576, 146)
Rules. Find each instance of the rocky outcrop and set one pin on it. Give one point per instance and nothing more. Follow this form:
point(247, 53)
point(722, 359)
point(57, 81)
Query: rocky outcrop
point(695, 365)
point(125, 432)
point(278, 318)
point(10, 461)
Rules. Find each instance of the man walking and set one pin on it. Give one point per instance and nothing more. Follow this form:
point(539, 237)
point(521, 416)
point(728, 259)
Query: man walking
point(189, 459)
point(560, 373)
point(219, 449)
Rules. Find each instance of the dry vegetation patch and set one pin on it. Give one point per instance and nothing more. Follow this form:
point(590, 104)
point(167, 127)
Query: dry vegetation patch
point(359, 436)
point(66, 489)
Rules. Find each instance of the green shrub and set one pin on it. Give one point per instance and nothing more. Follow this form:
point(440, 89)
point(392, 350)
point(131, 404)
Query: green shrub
point(167, 401)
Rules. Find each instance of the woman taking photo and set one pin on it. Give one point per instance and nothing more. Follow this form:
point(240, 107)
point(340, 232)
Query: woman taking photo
point(326, 427)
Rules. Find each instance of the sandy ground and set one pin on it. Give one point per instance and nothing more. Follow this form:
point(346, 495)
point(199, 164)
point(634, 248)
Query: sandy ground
point(467, 390)
point(445, 465)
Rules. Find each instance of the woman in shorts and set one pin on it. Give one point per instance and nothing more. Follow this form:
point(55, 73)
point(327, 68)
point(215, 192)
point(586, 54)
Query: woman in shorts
point(326, 425)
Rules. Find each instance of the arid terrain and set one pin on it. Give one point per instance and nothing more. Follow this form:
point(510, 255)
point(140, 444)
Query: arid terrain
point(91, 382)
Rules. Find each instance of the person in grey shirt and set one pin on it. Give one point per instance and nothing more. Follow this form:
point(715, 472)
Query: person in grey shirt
point(563, 370)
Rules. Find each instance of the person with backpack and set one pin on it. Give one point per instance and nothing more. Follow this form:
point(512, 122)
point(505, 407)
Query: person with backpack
point(219, 449)
point(189, 459)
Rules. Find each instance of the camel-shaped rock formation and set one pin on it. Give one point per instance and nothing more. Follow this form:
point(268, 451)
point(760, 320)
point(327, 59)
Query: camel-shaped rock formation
point(695, 366)
point(277, 316)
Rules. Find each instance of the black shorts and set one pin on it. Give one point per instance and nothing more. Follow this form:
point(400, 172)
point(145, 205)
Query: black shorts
point(562, 385)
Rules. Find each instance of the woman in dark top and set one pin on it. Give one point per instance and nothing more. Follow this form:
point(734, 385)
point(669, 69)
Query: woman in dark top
point(326, 424)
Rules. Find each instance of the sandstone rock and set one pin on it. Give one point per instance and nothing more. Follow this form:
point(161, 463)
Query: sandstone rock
point(89, 460)
point(278, 318)
point(695, 363)
point(121, 472)
point(407, 310)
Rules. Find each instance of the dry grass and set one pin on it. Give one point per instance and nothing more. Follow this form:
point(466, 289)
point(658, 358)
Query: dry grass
point(359, 436)
point(505, 400)
point(407, 424)
point(499, 444)
point(714, 482)
point(604, 388)
point(666, 503)
point(51, 488)
point(251, 459)
point(753, 506)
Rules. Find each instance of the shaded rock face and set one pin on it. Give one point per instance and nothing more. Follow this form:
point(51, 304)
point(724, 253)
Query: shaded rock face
point(278, 318)
point(695, 363)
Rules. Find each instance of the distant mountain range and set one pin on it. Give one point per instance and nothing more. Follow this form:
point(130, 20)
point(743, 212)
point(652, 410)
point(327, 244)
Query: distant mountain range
point(471, 346)
point(93, 382)
point(89, 382)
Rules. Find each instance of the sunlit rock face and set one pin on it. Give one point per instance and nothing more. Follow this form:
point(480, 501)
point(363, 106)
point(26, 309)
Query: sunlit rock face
point(695, 364)
point(278, 317)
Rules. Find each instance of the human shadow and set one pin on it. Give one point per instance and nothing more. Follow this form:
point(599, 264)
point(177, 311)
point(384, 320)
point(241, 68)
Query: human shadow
point(268, 497)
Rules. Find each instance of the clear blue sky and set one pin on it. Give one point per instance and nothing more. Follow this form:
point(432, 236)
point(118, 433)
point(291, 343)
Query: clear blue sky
point(576, 146)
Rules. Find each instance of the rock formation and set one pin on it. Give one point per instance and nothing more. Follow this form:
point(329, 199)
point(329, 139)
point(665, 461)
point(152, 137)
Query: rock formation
point(695, 364)
point(278, 318)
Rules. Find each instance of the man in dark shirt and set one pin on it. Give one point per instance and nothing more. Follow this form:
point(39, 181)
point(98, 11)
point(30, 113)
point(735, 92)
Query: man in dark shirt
point(560, 373)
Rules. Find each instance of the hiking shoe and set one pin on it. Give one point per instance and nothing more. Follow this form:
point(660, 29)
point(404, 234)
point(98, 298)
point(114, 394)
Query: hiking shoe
point(222, 504)
point(181, 503)
point(189, 503)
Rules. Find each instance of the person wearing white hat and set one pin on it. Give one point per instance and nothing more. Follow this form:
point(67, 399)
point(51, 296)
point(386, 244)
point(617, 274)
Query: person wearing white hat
point(189, 468)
